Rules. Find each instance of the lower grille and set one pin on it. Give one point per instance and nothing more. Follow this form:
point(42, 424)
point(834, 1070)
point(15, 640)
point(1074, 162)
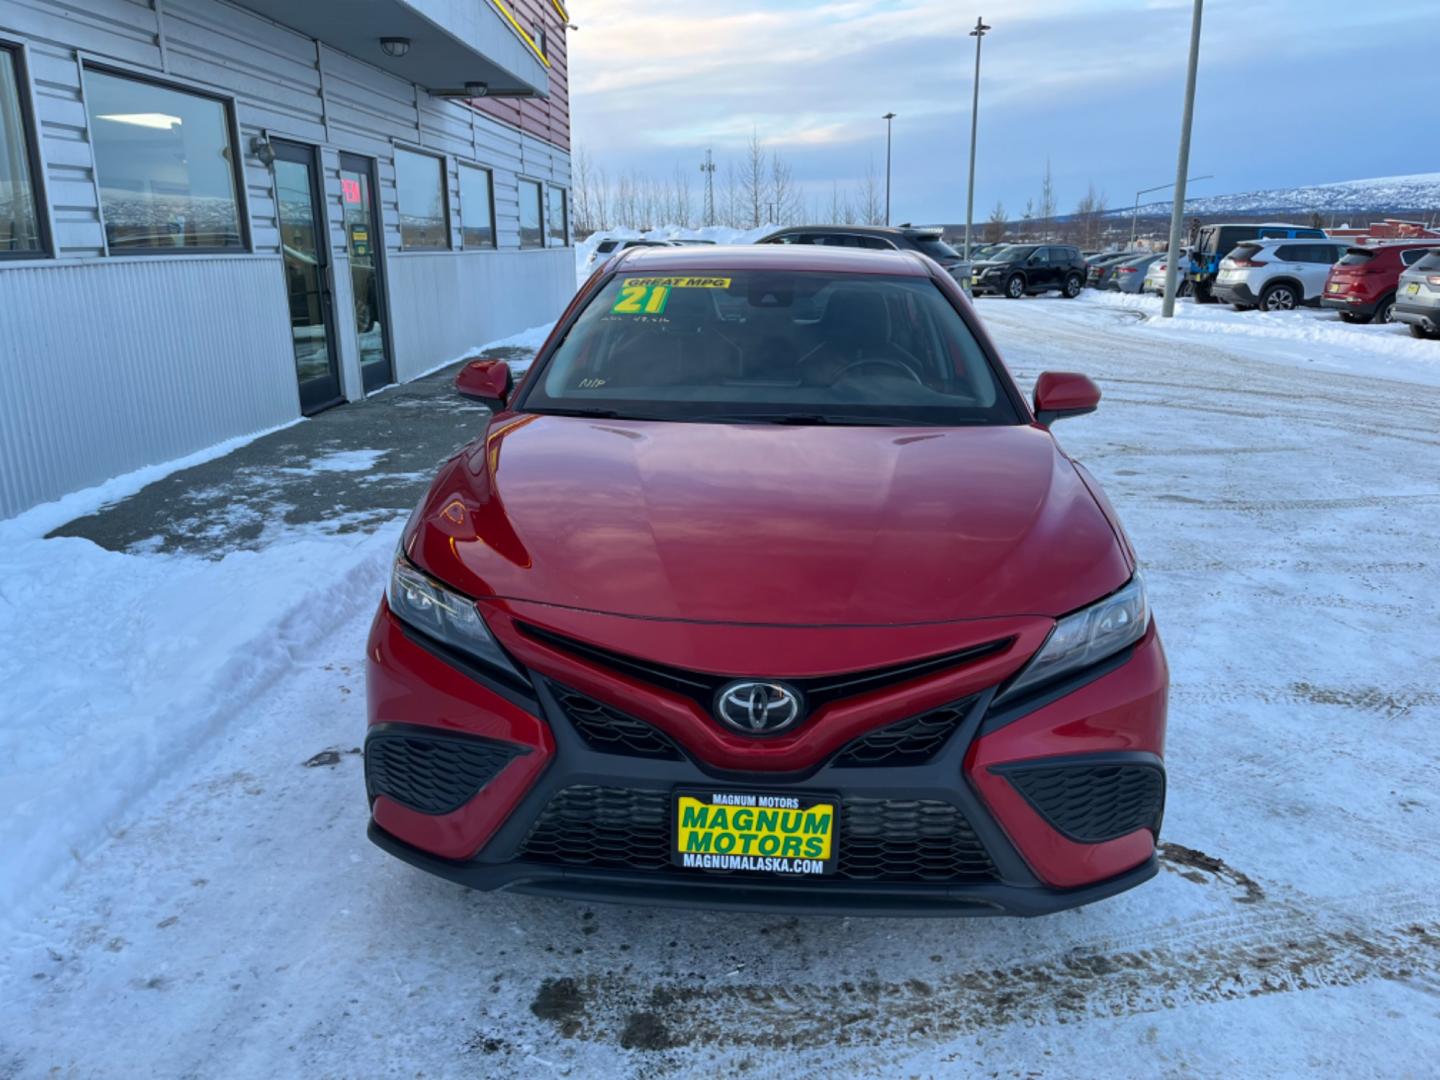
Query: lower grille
point(619, 828)
point(434, 774)
point(1094, 803)
point(910, 742)
point(609, 730)
point(880, 839)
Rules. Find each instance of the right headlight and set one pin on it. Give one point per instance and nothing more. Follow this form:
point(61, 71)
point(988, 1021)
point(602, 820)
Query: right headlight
point(449, 617)
point(1088, 636)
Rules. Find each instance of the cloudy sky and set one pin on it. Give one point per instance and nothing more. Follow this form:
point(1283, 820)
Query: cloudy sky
point(1290, 92)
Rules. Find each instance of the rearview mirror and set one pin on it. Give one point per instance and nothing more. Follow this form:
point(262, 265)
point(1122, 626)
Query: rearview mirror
point(1059, 394)
point(487, 381)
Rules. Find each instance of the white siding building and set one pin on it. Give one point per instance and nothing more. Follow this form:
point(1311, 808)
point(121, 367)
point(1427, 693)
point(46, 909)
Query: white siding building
point(218, 216)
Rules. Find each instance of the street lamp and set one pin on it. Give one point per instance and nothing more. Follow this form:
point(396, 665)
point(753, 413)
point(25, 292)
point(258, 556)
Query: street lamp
point(978, 33)
point(1182, 166)
point(1134, 214)
point(889, 116)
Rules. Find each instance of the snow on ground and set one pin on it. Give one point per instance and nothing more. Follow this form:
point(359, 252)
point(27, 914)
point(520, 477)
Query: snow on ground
point(237, 923)
point(118, 666)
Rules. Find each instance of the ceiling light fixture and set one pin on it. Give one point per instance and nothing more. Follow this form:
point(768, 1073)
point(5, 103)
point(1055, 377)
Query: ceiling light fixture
point(395, 46)
point(477, 89)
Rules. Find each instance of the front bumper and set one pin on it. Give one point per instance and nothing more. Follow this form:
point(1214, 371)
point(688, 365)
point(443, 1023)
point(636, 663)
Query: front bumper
point(1014, 861)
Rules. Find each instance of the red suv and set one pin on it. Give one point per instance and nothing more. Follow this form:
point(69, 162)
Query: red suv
point(767, 589)
point(1361, 286)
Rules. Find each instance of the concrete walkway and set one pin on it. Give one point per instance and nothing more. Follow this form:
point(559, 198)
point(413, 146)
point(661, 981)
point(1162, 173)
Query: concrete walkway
point(350, 469)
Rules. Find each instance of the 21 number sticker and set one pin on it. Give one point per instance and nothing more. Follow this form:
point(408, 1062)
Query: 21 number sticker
point(641, 299)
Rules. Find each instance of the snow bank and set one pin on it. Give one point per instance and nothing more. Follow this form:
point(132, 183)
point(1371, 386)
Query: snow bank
point(116, 666)
point(1311, 336)
point(719, 234)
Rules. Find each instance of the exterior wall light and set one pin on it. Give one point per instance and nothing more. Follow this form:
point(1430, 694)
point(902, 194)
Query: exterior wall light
point(395, 46)
point(262, 150)
point(477, 89)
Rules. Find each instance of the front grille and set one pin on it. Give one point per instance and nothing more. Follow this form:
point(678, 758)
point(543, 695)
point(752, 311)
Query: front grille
point(910, 742)
point(701, 686)
point(618, 828)
point(434, 774)
point(910, 840)
point(880, 839)
point(1094, 803)
point(609, 730)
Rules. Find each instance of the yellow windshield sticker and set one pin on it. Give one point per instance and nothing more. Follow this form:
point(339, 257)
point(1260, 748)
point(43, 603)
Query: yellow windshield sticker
point(647, 296)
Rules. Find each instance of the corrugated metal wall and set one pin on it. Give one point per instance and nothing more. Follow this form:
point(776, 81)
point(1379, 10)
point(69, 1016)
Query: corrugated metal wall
point(288, 86)
point(111, 366)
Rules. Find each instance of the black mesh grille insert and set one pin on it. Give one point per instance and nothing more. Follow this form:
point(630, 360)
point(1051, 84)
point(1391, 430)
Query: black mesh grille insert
point(434, 774)
point(910, 840)
point(1095, 802)
point(619, 828)
point(608, 730)
point(880, 839)
point(909, 742)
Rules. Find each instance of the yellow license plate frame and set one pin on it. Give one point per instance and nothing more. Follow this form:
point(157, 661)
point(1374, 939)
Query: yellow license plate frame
point(773, 833)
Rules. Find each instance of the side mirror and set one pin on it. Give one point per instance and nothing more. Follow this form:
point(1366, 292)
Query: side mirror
point(487, 381)
point(1059, 394)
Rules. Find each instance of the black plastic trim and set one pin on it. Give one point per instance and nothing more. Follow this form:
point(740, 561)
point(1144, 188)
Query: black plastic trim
point(1139, 759)
point(752, 895)
point(490, 678)
point(426, 733)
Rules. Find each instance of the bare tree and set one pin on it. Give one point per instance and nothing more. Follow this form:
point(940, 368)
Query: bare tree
point(582, 194)
point(680, 202)
point(995, 227)
point(730, 215)
point(1046, 211)
point(870, 206)
point(1089, 216)
point(784, 197)
point(839, 208)
point(752, 179)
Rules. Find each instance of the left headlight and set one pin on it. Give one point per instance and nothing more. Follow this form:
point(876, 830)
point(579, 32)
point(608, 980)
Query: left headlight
point(1088, 636)
point(447, 616)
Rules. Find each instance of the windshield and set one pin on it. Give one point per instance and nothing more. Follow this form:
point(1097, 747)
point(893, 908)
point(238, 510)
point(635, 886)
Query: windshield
point(1011, 253)
point(936, 248)
point(762, 346)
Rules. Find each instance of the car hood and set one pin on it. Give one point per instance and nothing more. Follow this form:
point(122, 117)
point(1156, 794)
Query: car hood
point(768, 524)
point(987, 264)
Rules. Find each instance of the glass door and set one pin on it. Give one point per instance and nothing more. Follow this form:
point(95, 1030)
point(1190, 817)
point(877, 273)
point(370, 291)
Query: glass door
point(305, 247)
point(367, 271)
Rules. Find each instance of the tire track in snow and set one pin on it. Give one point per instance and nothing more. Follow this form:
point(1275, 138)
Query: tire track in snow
point(1233, 960)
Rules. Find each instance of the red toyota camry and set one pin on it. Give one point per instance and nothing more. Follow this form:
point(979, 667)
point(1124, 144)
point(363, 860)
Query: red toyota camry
point(767, 589)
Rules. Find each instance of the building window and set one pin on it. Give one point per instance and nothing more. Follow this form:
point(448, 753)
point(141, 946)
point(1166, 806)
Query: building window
point(558, 235)
point(420, 184)
point(537, 34)
point(531, 214)
point(19, 207)
point(477, 211)
point(165, 164)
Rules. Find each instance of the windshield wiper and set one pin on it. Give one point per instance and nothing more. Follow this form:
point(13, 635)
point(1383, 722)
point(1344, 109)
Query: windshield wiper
point(811, 419)
point(594, 414)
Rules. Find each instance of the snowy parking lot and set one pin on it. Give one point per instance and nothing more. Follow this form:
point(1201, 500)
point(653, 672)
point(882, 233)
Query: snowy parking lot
point(225, 916)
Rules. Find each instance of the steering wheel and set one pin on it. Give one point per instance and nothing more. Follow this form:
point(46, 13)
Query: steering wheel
point(878, 361)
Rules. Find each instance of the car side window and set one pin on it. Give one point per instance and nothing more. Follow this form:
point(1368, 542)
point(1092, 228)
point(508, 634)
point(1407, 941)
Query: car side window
point(1411, 257)
point(1290, 253)
point(873, 242)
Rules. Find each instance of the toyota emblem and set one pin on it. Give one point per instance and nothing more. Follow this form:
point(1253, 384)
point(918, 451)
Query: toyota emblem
point(757, 708)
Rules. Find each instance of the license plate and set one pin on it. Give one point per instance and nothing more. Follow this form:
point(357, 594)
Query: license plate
point(760, 831)
point(1335, 288)
point(1412, 288)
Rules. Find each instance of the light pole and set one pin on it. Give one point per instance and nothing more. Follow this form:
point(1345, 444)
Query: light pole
point(889, 116)
point(1135, 214)
point(1177, 208)
point(978, 33)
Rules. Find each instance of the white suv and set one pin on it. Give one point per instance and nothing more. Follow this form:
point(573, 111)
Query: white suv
point(1277, 275)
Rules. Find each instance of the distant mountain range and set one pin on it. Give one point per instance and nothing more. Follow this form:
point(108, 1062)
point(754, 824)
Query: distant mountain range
point(1418, 196)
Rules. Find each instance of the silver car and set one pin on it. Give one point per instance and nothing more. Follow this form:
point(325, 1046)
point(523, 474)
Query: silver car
point(1129, 275)
point(1417, 297)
